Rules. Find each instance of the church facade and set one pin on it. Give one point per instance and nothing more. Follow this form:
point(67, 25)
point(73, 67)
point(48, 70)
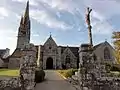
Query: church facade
point(50, 55)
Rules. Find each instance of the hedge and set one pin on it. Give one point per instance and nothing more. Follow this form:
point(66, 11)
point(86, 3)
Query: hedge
point(39, 76)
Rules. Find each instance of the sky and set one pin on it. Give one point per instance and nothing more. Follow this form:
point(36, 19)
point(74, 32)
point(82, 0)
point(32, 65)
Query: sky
point(65, 19)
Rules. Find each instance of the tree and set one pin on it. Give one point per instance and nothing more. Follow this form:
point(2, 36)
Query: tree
point(116, 37)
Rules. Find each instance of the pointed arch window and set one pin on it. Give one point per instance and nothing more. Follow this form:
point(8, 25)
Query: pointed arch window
point(67, 59)
point(106, 53)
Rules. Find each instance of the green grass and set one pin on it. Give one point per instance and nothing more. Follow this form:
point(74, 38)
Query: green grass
point(9, 72)
point(67, 73)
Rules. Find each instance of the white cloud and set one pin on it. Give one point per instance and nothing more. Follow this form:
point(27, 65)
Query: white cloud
point(103, 28)
point(97, 15)
point(1, 17)
point(102, 10)
point(3, 12)
point(32, 2)
point(62, 5)
point(8, 39)
point(44, 18)
point(107, 8)
point(35, 35)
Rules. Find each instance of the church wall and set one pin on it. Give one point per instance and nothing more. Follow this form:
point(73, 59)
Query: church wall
point(1, 63)
point(99, 52)
point(45, 59)
point(56, 56)
point(73, 58)
point(59, 62)
point(14, 63)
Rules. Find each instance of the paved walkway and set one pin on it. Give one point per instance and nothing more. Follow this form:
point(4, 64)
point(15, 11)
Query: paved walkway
point(54, 82)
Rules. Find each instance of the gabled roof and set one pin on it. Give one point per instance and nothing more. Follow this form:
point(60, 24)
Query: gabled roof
point(103, 43)
point(17, 53)
point(6, 60)
point(74, 50)
point(50, 40)
point(2, 52)
point(96, 46)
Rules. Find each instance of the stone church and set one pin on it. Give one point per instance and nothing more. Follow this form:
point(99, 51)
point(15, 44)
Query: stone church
point(50, 55)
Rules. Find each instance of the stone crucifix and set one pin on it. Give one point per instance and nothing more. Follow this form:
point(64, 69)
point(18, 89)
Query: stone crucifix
point(89, 25)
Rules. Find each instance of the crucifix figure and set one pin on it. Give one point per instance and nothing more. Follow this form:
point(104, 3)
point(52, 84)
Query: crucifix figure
point(89, 25)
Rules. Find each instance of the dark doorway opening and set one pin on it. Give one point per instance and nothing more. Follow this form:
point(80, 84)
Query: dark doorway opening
point(49, 63)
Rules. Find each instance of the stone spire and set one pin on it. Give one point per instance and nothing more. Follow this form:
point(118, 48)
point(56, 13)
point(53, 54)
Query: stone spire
point(89, 25)
point(24, 29)
point(26, 14)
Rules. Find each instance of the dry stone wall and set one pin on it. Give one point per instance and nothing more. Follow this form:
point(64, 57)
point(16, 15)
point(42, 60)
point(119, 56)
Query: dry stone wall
point(25, 81)
point(28, 67)
point(11, 83)
point(92, 73)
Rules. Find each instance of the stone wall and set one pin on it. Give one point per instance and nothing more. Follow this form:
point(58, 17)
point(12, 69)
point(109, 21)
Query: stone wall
point(28, 65)
point(92, 72)
point(12, 83)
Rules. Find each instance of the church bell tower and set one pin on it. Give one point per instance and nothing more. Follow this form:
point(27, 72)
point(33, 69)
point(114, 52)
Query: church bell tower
point(24, 29)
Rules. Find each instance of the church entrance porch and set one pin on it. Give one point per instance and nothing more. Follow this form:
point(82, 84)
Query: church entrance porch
point(49, 63)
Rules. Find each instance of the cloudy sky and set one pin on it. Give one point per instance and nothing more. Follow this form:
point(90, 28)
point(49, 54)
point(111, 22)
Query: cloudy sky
point(65, 19)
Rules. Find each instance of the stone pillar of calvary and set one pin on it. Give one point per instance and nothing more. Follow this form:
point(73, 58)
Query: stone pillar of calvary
point(89, 25)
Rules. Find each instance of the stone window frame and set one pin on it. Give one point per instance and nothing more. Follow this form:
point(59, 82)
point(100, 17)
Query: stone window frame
point(107, 53)
point(67, 59)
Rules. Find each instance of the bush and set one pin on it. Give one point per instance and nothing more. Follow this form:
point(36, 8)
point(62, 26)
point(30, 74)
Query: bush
point(39, 76)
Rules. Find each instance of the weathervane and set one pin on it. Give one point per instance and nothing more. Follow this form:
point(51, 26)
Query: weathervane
point(89, 25)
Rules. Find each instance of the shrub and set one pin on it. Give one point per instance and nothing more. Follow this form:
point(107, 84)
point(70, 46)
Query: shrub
point(39, 76)
point(74, 70)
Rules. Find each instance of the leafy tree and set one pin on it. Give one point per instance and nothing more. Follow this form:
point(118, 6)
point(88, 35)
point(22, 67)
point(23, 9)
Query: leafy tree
point(116, 37)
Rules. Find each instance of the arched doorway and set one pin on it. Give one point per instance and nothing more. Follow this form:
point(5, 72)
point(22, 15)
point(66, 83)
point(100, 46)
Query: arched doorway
point(49, 63)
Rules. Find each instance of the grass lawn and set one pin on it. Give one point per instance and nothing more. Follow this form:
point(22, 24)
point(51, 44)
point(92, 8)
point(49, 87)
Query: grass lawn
point(9, 72)
point(67, 73)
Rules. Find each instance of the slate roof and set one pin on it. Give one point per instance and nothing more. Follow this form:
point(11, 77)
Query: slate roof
point(2, 52)
point(6, 60)
point(96, 46)
point(17, 53)
point(73, 49)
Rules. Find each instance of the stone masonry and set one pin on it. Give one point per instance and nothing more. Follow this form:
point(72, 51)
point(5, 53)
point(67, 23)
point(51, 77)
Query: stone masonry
point(92, 73)
point(28, 67)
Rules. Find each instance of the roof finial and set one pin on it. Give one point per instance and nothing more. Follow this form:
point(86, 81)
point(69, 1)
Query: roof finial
point(50, 34)
point(105, 40)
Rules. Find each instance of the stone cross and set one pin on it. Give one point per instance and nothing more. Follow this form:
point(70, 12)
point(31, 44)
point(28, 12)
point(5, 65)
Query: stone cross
point(89, 25)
